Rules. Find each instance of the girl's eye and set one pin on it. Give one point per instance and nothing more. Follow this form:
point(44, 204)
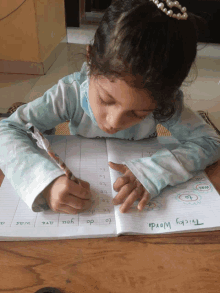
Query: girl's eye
point(104, 103)
point(140, 117)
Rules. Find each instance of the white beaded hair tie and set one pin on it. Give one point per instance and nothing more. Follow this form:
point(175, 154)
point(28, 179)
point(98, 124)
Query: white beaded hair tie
point(170, 13)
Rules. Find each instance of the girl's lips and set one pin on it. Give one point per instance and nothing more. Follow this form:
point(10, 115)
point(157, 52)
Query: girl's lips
point(110, 131)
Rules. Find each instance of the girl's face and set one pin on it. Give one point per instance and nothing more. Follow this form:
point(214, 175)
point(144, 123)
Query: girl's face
point(117, 106)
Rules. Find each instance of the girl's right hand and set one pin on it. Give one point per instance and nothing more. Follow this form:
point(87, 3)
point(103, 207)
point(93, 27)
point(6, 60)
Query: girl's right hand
point(65, 196)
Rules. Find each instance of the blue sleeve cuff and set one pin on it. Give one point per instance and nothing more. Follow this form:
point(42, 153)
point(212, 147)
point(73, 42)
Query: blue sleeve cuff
point(158, 171)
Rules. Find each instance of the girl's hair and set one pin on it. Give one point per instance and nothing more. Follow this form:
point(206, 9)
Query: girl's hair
point(136, 39)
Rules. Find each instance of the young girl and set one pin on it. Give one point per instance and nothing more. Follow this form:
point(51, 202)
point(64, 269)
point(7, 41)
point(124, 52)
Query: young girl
point(142, 52)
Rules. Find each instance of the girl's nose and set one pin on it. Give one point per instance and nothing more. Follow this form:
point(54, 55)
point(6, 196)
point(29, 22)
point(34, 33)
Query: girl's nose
point(115, 120)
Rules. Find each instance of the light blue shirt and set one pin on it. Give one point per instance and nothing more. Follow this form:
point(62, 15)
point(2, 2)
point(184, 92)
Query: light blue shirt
point(30, 172)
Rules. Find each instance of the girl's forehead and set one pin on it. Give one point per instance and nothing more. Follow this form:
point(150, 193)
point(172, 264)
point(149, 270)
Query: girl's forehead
point(120, 86)
point(123, 93)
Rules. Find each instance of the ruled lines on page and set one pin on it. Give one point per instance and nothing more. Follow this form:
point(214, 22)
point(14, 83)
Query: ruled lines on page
point(190, 206)
point(120, 151)
point(87, 159)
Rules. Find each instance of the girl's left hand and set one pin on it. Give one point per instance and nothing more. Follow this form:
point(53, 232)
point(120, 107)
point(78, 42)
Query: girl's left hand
point(129, 189)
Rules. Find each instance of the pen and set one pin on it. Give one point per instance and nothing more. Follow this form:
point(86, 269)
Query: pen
point(44, 144)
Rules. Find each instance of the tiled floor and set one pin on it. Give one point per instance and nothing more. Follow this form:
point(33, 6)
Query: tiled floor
point(203, 94)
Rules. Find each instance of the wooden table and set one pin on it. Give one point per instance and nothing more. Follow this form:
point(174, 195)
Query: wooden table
point(177, 263)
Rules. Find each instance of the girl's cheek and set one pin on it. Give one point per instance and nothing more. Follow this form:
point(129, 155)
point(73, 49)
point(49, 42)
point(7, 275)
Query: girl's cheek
point(101, 113)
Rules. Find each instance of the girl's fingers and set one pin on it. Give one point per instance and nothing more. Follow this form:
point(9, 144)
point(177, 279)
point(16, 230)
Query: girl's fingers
point(118, 167)
point(81, 190)
point(144, 201)
point(120, 182)
point(124, 193)
point(68, 209)
point(128, 177)
point(135, 194)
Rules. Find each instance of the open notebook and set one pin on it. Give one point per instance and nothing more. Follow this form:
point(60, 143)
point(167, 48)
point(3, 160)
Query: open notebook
point(191, 206)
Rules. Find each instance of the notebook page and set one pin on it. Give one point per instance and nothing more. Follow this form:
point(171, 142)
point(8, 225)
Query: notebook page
point(122, 150)
point(190, 206)
point(87, 159)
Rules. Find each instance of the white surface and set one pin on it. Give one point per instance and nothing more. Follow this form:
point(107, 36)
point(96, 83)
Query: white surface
point(87, 159)
point(186, 207)
point(82, 35)
point(209, 50)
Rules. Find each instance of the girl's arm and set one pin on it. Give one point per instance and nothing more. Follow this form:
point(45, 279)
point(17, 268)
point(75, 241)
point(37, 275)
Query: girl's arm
point(28, 169)
point(200, 147)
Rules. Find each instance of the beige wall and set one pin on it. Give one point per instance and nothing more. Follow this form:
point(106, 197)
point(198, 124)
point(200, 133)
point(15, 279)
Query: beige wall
point(31, 31)
point(51, 27)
